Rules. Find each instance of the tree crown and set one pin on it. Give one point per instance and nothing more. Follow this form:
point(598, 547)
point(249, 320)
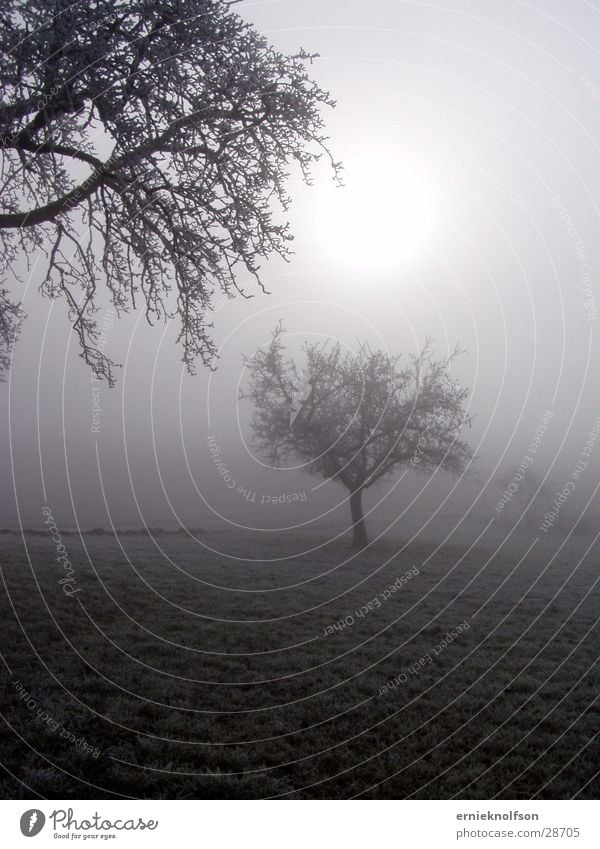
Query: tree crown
point(356, 416)
point(143, 143)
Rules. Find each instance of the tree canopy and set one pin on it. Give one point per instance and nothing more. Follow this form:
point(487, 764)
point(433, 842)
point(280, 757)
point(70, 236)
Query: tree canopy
point(355, 417)
point(144, 144)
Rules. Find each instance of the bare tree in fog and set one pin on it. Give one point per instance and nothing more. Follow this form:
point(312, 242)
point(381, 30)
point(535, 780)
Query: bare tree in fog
point(357, 417)
point(143, 145)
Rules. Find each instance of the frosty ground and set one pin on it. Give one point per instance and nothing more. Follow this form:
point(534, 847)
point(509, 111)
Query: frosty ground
point(239, 666)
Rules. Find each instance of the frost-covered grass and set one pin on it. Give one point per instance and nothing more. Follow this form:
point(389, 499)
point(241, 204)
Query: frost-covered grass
point(190, 673)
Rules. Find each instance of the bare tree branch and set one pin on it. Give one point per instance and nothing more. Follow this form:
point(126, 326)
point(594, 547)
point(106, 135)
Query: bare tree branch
point(204, 120)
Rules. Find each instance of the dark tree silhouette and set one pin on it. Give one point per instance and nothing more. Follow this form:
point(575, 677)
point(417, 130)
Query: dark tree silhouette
point(357, 417)
point(143, 144)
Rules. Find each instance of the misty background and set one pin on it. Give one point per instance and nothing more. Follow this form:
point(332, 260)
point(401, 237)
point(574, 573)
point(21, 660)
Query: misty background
point(497, 106)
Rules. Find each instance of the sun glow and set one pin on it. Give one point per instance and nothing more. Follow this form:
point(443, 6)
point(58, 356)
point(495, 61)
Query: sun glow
point(384, 215)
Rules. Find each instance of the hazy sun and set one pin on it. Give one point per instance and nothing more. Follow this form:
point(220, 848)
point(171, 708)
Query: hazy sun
point(384, 214)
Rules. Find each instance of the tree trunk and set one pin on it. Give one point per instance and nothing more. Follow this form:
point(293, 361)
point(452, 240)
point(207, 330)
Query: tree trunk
point(359, 530)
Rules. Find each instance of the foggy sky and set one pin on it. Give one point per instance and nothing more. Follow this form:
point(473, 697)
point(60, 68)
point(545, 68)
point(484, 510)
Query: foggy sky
point(500, 101)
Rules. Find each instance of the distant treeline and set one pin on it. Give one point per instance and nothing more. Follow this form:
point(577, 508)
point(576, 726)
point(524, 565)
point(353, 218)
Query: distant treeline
point(150, 531)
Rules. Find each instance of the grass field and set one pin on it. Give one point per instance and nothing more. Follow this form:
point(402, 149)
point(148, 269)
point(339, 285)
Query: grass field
point(185, 673)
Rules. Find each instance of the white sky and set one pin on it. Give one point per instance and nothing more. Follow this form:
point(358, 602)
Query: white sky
point(496, 106)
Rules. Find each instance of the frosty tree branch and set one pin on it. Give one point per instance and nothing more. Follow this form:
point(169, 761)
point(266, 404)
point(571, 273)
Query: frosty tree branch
point(202, 120)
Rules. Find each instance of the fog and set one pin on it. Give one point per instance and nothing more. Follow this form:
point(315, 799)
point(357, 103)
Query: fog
point(498, 106)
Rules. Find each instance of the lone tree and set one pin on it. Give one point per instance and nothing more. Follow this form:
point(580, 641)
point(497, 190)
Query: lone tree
point(356, 417)
point(143, 143)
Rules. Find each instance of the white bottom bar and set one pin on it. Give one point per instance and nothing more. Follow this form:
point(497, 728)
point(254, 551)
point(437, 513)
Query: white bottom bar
point(297, 825)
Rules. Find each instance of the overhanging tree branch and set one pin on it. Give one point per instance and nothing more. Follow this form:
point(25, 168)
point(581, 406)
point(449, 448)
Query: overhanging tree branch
point(204, 119)
point(51, 211)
